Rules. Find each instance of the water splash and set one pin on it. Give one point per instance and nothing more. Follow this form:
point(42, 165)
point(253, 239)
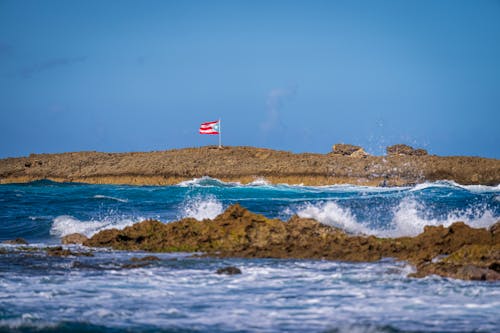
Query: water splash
point(409, 217)
point(331, 213)
point(201, 207)
point(64, 225)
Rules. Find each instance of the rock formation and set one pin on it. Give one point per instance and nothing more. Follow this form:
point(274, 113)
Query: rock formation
point(468, 253)
point(73, 239)
point(17, 241)
point(406, 150)
point(245, 164)
point(348, 150)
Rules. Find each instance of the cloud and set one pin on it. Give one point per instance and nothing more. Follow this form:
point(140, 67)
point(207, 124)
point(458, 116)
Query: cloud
point(28, 71)
point(276, 100)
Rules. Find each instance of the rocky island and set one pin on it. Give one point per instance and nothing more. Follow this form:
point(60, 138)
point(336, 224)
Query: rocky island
point(457, 251)
point(402, 165)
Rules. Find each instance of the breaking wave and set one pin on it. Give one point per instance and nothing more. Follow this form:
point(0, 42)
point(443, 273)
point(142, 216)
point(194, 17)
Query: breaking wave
point(206, 181)
point(99, 196)
point(64, 225)
point(201, 207)
point(409, 218)
point(331, 213)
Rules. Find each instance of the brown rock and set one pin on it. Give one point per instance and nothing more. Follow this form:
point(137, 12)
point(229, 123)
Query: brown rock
point(401, 149)
point(360, 153)
point(229, 270)
point(495, 228)
point(470, 262)
point(59, 251)
point(245, 164)
point(75, 238)
point(345, 149)
point(240, 233)
point(17, 241)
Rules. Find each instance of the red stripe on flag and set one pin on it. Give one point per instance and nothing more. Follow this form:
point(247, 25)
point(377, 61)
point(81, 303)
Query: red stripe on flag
point(209, 123)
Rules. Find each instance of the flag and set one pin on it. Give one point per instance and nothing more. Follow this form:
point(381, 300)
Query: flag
point(212, 127)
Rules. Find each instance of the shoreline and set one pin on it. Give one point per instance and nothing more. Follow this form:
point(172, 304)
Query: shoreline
point(247, 164)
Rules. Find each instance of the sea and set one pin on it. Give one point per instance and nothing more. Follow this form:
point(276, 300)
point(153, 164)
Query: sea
point(183, 293)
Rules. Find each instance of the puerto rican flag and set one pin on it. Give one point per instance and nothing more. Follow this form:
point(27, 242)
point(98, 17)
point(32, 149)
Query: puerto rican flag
point(212, 127)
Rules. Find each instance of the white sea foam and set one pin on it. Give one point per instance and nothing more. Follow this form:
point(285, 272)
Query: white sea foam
point(198, 207)
point(64, 225)
point(453, 184)
point(332, 214)
point(259, 182)
point(409, 218)
point(99, 196)
point(206, 181)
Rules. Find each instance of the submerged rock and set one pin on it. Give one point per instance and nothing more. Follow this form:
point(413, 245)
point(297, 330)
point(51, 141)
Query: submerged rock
point(229, 270)
point(75, 238)
point(145, 259)
point(240, 233)
point(59, 251)
point(17, 241)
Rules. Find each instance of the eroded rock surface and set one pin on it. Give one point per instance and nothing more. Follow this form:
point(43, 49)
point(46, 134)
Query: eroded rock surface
point(401, 149)
point(74, 238)
point(240, 233)
point(17, 241)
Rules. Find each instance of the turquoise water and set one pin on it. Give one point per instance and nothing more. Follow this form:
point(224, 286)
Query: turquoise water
point(183, 294)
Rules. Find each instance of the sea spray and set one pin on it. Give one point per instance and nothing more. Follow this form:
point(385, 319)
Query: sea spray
point(407, 218)
point(201, 207)
point(64, 225)
point(331, 213)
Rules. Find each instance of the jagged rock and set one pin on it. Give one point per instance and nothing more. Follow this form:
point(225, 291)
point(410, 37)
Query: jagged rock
point(229, 270)
point(238, 232)
point(17, 241)
point(495, 228)
point(360, 153)
point(59, 251)
point(469, 262)
point(348, 150)
point(75, 238)
point(462, 272)
point(401, 149)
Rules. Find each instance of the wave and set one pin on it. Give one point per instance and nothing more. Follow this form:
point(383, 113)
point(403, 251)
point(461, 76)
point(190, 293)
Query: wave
point(409, 218)
point(100, 196)
point(454, 185)
point(201, 207)
point(330, 213)
point(264, 184)
point(206, 181)
point(64, 225)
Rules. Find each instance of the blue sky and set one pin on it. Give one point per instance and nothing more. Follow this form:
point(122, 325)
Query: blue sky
point(120, 76)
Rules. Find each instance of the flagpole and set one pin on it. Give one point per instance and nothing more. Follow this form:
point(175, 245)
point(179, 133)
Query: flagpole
point(220, 134)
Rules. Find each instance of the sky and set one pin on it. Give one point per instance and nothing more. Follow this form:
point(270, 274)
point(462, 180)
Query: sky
point(117, 76)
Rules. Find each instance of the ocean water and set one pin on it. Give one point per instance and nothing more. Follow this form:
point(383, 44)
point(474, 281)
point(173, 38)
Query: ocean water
point(182, 293)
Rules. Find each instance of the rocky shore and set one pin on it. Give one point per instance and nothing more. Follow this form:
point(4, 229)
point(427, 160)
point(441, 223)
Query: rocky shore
point(402, 165)
point(457, 251)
